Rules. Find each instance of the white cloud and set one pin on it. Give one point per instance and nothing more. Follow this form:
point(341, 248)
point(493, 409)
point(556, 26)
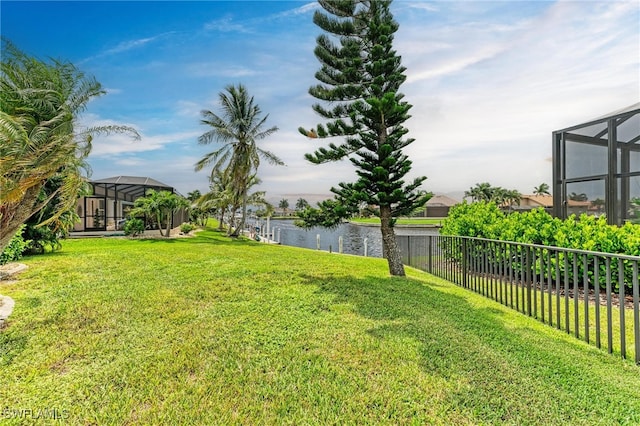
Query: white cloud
point(488, 85)
point(129, 44)
point(487, 97)
point(219, 69)
point(304, 9)
point(125, 46)
point(226, 25)
point(120, 143)
point(426, 6)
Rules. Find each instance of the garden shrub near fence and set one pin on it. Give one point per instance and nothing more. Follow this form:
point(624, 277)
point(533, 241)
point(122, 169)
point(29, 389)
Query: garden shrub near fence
point(588, 233)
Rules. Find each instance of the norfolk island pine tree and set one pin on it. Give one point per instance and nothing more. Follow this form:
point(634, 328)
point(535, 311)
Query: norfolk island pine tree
point(360, 78)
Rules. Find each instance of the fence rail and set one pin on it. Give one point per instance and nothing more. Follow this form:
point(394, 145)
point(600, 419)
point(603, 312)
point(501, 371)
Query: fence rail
point(594, 296)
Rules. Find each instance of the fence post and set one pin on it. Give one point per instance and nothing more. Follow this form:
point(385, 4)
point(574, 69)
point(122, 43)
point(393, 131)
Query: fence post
point(268, 228)
point(464, 263)
point(528, 277)
point(623, 340)
point(317, 241)
point(340, 244)
point(366, 240)
point(429, 255)
point(409, 250)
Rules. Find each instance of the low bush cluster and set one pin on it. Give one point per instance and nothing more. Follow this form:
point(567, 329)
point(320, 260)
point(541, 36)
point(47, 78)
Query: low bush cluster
point(185, 228)
point(16, 247)
point(133, 227)
point(590, 233)
point(486, 220)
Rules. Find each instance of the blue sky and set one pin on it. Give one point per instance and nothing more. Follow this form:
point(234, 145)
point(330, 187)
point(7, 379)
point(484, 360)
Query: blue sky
point(488, 81)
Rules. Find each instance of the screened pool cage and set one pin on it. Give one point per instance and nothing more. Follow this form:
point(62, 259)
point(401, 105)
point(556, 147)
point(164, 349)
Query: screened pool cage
point(596, 167)
point(108, 207)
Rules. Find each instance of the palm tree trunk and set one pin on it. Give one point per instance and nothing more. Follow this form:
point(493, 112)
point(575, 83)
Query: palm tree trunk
point(390, 249)
point(159, 220)
point(243, 218)
point(232, 221)
point(12, 219)
point(169, 223)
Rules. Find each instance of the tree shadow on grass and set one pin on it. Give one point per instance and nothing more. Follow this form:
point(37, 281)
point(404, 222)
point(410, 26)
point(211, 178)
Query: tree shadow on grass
point(503, 369)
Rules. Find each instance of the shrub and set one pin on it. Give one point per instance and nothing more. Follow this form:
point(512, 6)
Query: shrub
point(480, 220)
point(590, 233)
point(16, 247)
point(133, 227)
point(185, 228)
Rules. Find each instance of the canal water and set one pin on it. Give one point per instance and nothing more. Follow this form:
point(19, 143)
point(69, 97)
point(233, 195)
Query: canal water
point(353, 236)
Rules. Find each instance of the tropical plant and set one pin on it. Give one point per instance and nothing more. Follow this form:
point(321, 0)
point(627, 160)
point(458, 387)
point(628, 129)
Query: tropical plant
point(39, 137)
point(238, 128)
point(511, 197)
point(16, 247)
point(133, 227)
point(197, 214)
point(284, 205)
point(302, 204)
point(542, 189)
point(185, 228)
point(359, 82)
point(226, 202)
point(43, 236)
point(160, 205)
point(219, 198)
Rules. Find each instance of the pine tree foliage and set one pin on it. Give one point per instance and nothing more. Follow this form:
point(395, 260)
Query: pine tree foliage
point(359, 82)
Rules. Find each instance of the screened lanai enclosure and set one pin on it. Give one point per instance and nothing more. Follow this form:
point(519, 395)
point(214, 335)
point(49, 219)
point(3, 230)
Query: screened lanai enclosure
point(112, 198)
point(596, 167)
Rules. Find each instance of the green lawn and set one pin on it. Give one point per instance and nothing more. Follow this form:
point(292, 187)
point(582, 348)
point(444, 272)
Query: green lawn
point(401, 221)
point(213, 331)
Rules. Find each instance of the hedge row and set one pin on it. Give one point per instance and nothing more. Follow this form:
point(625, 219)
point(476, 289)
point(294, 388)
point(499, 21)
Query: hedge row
point(486, 220)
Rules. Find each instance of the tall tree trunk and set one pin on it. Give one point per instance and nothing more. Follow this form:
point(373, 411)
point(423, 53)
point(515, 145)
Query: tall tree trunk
point(13, 217)
point(232, 221)
point(169, 223)
point(159, 219)
point(390, 249)
point(221, 220)
point(243, 218)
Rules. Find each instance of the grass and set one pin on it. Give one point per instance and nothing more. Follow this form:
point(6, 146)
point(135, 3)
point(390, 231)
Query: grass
point(514, 295)
point(401, 221)
point(210, 330)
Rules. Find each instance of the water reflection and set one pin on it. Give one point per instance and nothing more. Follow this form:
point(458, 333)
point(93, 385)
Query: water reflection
point(353, 236)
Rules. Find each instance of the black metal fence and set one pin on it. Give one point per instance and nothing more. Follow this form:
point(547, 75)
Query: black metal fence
point(594, 296)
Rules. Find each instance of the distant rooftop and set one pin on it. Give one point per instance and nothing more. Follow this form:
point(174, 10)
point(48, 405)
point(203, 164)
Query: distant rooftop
point(134, 186)
point(133, 180)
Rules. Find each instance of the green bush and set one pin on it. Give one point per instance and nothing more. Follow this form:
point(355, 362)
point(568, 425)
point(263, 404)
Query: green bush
point(16, 247)
point(486, 220)
point(590, 233)
point(185, 228)
point(133, 227)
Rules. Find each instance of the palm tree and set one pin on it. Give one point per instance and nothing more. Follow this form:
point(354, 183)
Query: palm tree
point(284, 205)
point(511, 197)
point(39, 138)
point(542, 189)
point(219, 198)
point(161, 205)
point(480, 192)
point(302, 204)
point(238, 128)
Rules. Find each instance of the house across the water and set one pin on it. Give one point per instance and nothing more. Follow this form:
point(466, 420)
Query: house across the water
point(112, 199)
